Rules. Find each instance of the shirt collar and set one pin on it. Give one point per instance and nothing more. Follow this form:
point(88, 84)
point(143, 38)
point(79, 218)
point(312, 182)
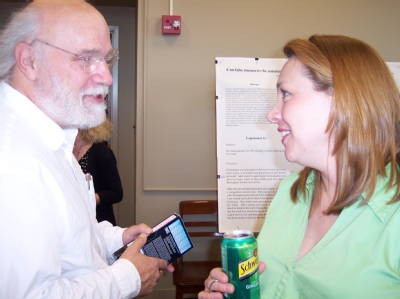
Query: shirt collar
point(51, 133)
point(381, 196)
point(379, 199)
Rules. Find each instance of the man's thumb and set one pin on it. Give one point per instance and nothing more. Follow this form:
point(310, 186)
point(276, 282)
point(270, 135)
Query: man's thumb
point(139, 242)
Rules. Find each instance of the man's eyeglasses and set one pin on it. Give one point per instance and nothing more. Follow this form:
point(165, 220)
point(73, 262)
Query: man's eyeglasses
point(90, 63)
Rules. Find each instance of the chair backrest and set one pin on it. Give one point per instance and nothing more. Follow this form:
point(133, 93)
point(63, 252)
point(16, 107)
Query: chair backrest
point(205, 227)
point(201, 220)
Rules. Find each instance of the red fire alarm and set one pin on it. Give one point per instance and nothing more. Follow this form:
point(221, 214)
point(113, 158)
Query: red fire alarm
point(171, 24)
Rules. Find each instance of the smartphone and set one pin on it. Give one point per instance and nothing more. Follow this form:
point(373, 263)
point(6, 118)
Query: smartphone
point(169, 240)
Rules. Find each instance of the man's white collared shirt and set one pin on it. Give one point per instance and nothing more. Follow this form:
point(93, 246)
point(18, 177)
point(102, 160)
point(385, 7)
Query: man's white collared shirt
point(51, 244)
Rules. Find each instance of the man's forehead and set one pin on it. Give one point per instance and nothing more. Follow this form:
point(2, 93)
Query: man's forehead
point(77, 23)
point(77, 14)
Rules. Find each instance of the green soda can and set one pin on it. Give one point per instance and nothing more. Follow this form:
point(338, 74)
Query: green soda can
point(239, 255)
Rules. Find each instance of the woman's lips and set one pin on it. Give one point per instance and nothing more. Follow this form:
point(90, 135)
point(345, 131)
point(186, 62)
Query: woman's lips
point(284, 135)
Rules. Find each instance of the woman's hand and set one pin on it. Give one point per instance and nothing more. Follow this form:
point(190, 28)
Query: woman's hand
point(97, 198)
point(217, 283)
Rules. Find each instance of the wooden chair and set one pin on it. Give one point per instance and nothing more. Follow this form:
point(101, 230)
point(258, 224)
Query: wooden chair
point(189, 276)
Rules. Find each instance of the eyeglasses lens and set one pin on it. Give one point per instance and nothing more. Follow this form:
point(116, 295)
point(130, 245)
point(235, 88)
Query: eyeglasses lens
point(112, 58)
point(90, 64)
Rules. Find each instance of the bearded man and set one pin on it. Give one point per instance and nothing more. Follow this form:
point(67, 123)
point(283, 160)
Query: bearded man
point(55, 61)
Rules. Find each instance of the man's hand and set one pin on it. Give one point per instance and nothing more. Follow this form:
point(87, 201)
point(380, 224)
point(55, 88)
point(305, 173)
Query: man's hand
point(134, 231)
point(150, 269)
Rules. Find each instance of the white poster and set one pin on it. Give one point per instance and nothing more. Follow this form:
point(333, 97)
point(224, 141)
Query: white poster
point(251, 161)
point(250, 155)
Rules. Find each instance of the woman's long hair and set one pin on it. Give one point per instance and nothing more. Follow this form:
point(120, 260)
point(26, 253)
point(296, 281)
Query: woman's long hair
point(364, 119)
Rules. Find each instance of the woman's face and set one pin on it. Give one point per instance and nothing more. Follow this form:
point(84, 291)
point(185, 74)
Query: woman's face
point(302, 115)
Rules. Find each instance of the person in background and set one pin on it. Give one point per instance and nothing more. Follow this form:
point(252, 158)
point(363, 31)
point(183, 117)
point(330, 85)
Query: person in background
point(332, 229)
point(55, 61)
point(96, 158)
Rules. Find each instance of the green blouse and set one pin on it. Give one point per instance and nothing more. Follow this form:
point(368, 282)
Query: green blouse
point(359, 257)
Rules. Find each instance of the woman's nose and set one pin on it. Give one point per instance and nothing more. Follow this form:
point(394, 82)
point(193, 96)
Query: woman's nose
point(275, 113)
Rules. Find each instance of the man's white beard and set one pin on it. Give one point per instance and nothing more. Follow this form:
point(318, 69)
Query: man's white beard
point(67, 108)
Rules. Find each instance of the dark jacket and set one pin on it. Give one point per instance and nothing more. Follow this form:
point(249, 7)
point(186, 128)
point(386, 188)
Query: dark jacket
point(102, 165)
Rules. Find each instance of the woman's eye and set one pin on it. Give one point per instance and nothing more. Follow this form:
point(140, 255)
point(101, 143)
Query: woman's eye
point(284, 94)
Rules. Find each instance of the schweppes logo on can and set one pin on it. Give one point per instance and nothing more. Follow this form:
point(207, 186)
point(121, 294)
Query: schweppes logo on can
point(247, 267)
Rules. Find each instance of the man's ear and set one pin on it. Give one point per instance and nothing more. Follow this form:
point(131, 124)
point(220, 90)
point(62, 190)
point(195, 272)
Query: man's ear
point(25, 58)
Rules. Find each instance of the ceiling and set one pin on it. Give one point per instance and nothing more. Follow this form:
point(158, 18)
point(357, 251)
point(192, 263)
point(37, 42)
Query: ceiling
point(130, 3)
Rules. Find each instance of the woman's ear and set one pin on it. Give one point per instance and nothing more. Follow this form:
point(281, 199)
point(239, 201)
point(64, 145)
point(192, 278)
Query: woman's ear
point(25, 59)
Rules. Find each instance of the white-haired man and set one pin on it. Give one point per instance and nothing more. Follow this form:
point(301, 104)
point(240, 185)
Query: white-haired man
point(55, 61)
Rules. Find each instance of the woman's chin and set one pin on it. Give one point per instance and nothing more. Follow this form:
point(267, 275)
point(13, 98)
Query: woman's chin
point(292, 158)
point(289, 157)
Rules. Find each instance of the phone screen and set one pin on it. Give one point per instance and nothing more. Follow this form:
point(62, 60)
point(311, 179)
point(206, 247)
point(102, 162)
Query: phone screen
point(169, 240)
